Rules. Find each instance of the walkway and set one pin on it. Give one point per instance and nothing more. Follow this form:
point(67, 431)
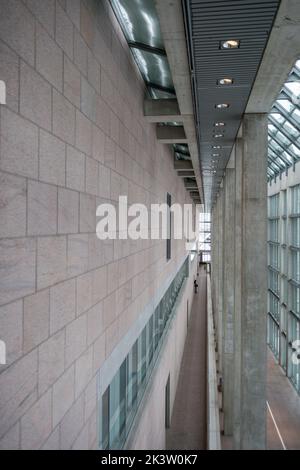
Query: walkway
point(188, 424)
point(284, 409)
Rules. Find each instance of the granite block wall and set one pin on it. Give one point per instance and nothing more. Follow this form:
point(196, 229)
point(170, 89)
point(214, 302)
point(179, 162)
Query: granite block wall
point(72, 135)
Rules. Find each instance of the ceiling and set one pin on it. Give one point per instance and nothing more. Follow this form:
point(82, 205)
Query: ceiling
point(209, 23)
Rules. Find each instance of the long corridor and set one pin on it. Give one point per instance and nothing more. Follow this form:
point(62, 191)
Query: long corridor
point(283, 409)
point(188, 424)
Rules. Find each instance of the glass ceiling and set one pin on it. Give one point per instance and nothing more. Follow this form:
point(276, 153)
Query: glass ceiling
point(140, 25)
point(284, 126)
point(139, 22)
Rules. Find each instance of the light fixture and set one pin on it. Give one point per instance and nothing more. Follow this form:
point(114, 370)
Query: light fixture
point(220, 124)
point(225, 81)
point(216, 147)
point(222, 106)
point(215, 155)
point(230, 44)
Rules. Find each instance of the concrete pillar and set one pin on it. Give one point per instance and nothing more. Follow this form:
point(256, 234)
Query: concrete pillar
point(228, 299)
point(237, 292)
point(254, 283)
point(221, 222)
point(214, 257)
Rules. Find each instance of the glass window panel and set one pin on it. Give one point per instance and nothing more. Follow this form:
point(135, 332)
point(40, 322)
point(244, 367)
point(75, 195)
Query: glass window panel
point(278, 117)
point(287, 156)
point(291, 129)
point(154, 68)
point(287, 105)
point(296, 115)
point(117, 408)
point(294, 369)
point(294, 88)
point(132, 378)
point(295, 150)
point(104, 430)
point(272, 129)
point(296, 199)
point(283, 138)
point(139, 21)
point(295, 293)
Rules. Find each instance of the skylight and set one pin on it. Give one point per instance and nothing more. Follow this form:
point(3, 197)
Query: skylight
point(284, 126)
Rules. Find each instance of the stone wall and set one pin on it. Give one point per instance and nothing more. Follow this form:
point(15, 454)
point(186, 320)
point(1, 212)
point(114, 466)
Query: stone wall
point(72, 136)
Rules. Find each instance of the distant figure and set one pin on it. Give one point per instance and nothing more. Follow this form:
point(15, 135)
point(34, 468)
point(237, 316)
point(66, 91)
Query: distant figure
point(195, 286)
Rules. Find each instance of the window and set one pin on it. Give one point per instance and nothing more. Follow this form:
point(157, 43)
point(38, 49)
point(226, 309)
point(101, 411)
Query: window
point(120, 401)
point(169, 229)
point(205, 237)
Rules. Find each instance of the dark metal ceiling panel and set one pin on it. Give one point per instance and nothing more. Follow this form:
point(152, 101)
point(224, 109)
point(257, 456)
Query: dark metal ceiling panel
point(210, 22)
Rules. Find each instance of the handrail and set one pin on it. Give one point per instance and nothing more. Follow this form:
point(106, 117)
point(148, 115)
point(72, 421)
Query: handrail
point(213, 416)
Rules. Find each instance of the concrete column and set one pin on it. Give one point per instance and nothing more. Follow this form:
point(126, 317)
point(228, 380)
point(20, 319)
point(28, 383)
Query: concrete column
point(214, 257)
point(221, 222)
point(237, 291)
point(228, 299)
point(254, 283)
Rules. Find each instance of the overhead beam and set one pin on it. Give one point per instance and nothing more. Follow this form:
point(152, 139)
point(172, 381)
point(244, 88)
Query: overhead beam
point(162, 110)
point(183, 165)
point(171, 135)
point(156, 86)
point(145, 47)
point(191, 186)
point(186, 174)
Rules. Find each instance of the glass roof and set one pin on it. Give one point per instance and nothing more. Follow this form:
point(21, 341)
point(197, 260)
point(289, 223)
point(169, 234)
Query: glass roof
point(140, 25)
point(284, 126)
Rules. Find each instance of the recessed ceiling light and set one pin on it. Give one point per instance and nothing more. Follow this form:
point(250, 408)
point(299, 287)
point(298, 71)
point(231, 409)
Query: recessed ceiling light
point(215, 155)
point(222, 106)
point(220, 124)
point(218, 136)
point(225, 81)
point(230, 44)
point(216, 147)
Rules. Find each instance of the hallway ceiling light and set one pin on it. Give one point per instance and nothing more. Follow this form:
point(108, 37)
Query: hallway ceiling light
point(218, 136)
point(225, 81)
point(216, 147)
point(230, 44)
point(220, 124)
point(222, 106)
point(215, 155)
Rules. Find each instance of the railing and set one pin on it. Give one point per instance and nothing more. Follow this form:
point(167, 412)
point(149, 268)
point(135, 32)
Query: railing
point(213, 417)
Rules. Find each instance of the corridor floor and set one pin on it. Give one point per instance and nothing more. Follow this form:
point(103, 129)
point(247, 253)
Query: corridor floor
point(188, 424)
point(283, 409)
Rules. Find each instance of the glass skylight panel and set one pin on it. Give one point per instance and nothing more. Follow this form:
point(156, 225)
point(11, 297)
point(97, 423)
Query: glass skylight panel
point(139, 21)
point(278, 117)
point(288, 157)
point(282, 138)
point(294, 88)
point(287, 105)
point(296, 115)
point(291, 129)
point(140, 24)
point(272, 129)
point(295, 151)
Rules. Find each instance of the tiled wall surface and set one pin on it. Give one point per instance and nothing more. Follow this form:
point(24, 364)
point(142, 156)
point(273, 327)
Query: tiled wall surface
point(72, 136)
